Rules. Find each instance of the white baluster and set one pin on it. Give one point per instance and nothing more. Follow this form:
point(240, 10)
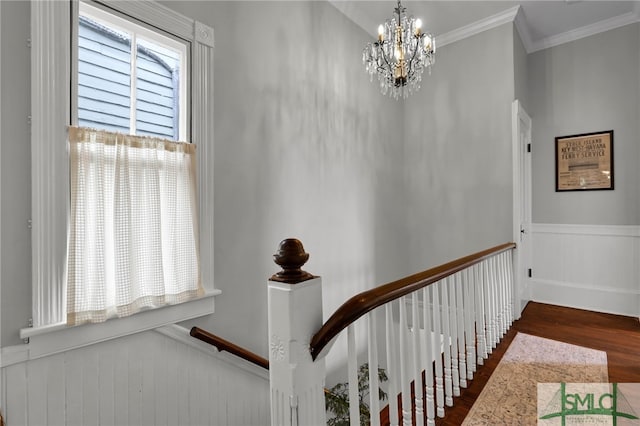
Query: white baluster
point(438, 352)
point(491, 305)
point(417, 370)
point(354, 397)
point(480, 316)
point(461, 280)
point(498, 299)
point(495, 282)
point(498, 285)
point(446, 336)
point(494, 304)
point(509, 288)
point(506, 290)
point(509, 257)
point(392, 362)
point(502, 317)
point(427, 356)
point(503, 293)
point(453, 325)
point(404, 376)
point(374, 385)
point(495, 299)
point(469, 316)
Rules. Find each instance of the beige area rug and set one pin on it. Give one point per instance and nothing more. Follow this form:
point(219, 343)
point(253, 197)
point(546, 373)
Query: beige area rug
point(510, 395)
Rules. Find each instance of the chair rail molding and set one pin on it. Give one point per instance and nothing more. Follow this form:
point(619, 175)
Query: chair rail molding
point(582, 229)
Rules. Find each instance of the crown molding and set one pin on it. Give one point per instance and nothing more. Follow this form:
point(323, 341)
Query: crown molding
point(515, 15)
point(469, 30)
point(522, 27)
point(477, 27)
point(587, 30)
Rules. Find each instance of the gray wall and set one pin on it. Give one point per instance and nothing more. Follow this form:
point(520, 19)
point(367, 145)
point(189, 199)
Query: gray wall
point(588, 85)
point(307, 147)
point(458, 150)
point(16, 171)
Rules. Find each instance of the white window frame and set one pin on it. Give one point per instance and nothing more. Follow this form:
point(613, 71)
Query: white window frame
point(51, 44)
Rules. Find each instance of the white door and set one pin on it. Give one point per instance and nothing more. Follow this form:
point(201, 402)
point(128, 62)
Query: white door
point(521, 128)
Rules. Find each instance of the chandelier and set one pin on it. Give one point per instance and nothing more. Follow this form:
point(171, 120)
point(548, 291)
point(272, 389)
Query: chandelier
point(400, 55)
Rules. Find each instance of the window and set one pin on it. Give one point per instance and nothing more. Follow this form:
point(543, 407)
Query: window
point(129, 78)
point(52, 94)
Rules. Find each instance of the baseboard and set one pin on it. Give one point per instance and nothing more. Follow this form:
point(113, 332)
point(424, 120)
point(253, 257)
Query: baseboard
point(575, 295)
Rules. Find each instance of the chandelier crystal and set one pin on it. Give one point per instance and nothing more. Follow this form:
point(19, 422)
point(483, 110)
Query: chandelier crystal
point(400, 55)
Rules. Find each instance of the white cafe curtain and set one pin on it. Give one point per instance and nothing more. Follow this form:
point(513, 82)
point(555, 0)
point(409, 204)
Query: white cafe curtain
point(133, 232)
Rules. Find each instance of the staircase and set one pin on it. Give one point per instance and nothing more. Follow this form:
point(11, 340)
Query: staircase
point(429, 331)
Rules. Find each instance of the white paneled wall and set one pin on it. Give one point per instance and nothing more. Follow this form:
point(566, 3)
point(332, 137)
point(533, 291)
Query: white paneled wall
point(591, 267)
point(150, 378)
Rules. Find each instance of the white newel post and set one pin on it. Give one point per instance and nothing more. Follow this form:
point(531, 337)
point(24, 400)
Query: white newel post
point(295, 314)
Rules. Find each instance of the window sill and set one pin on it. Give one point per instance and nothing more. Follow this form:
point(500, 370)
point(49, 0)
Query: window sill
point(56, 338)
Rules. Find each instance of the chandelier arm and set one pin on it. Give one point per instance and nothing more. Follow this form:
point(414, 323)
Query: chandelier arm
point(415, 52)
point(384, 56)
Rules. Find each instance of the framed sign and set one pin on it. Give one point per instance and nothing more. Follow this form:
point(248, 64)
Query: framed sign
point(584, 162)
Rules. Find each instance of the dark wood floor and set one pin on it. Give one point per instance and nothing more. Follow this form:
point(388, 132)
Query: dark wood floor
point(619, 336)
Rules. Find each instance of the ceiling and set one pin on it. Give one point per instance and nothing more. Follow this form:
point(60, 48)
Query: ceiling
point(540, 23)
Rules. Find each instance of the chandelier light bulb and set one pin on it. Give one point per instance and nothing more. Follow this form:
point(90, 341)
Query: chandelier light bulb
point(399, 57)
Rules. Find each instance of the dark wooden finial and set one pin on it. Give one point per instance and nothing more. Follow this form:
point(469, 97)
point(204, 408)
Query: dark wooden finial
point(290, 257)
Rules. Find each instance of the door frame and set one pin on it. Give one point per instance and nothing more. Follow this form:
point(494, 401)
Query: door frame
point(521, 153)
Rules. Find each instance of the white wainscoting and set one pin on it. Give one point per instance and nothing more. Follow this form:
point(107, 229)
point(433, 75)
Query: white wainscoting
point(160, 377)
point(592, 267)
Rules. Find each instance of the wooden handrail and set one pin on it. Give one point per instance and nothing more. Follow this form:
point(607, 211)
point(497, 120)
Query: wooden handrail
point(367, 301)
point(224, 345)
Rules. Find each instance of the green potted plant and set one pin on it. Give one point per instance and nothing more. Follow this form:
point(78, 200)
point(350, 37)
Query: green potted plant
point(337, 398)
